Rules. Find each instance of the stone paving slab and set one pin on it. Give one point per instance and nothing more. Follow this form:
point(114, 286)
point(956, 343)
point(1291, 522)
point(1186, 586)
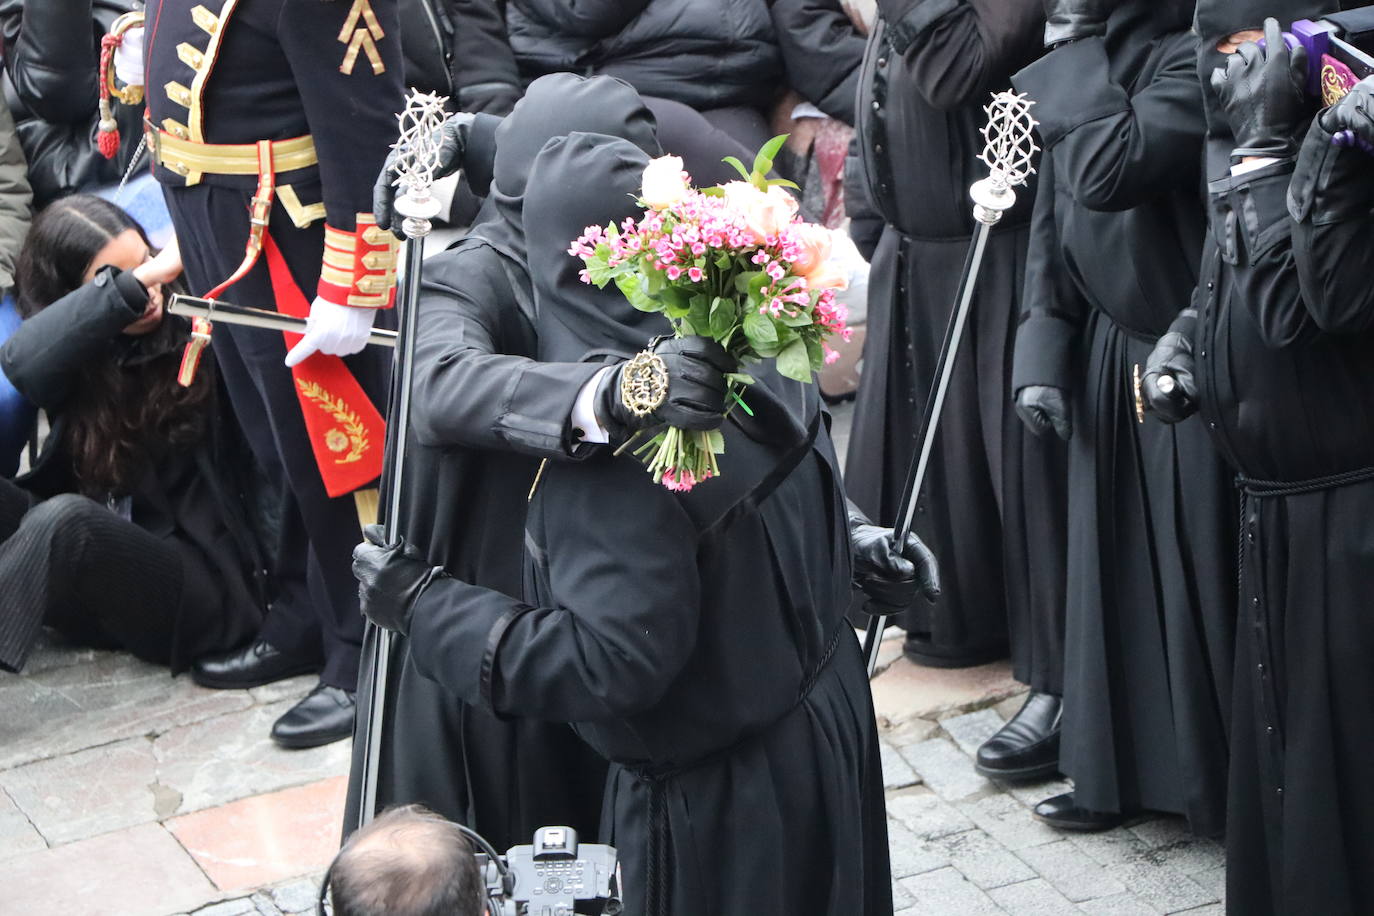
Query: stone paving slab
point(1033, 898)
point(17, 834)
point(944, 768)
point(971, 729)
point(232, 756)
point(141, 871)
point(906, 691)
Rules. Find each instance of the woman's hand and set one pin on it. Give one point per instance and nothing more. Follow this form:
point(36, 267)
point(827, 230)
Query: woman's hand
point(164, 267)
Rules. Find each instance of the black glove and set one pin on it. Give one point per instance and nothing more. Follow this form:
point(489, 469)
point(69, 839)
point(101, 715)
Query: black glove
point(1168, 386)
point(1044, 408)
point(390, 579)
point(890, 579)
point(1263, 91)
point(696, 389)
point(453, 141)
point(489, 98)
point(1354, 113)
point(1070, 20)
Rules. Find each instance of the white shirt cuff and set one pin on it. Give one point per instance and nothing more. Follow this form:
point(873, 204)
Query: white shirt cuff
point(1244, 168)
point(585, 427)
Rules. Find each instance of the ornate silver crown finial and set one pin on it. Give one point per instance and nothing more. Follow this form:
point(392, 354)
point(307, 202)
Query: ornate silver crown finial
point(1010, 139)
point(417, 150)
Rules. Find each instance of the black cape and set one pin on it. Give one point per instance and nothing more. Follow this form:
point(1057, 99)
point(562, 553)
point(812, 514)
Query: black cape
point(1113, 259)
point(993, 507)
point(484, 414)
point(697, 640)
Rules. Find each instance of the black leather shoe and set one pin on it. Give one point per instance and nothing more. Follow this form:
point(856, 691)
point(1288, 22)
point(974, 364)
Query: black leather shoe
point(1027, 747)
point(323, 717)
point(922, 651)
point(252, 666)
point(1062, 813)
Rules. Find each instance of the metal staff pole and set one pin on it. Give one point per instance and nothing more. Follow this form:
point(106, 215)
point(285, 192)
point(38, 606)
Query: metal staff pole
point(418, 156)
point(1010, 147)
point(216, 310)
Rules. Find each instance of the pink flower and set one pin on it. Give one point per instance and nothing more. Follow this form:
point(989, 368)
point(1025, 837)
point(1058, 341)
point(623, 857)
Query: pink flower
point(673, 271)
point(765, 214)
point(831, 356)
point(695, 274)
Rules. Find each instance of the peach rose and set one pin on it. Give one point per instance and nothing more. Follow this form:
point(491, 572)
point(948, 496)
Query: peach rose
point(665, 183)
point(766, 213)
point(815, 243)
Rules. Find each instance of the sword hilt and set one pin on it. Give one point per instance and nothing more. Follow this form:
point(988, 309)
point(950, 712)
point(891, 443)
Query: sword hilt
point(417, 159)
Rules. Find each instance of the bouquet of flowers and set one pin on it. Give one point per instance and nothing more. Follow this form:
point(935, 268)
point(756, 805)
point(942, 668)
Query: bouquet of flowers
point(730, 262)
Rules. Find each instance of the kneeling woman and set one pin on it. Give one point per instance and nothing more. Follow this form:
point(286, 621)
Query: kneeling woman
point(696, 640)
point(123, 535)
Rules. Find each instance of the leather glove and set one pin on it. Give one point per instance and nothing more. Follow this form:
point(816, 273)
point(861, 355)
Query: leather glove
point(1354, 113)
point(1172, 358)
point(489, 98)
point(390, 579)
point(890, 579)
point(452, 143)
point(1044, 408)
point(1070, 20)
point(1263, 92)
point(128, 58)
point(338, 330)
point(696, 389)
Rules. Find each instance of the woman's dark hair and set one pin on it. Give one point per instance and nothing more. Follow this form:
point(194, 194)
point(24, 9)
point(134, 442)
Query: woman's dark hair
point(128, 407)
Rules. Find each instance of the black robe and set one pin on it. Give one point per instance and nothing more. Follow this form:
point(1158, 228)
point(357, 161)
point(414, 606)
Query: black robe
point(1113, 260)
point(993, 508)
point(697, 640)
point(1286, 367)
point(483, 414)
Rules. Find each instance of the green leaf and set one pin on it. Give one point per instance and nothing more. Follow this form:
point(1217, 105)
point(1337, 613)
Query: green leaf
point(744, 281)
point(633, 288)
point(716, 439)
point(800, 320)
point(794, 362)
point(763, 162)
point(740, 378)
point(739, 166)
point(724, 260)
point(599, 270)
point(723, 316)
point(712, 192)
point(783, 183)
point(759, 329)
point(816, 353)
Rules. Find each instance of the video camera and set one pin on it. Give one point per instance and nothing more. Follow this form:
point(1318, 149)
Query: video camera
point(553, 876)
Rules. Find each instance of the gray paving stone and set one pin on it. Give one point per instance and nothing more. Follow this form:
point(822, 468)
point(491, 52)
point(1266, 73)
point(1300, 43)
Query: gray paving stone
point(231, 757)
point(982, 859)
point(1212, 880)
point(1212, 909)
point(970, 730)
point(264, 905)
point(1011, 705)
point(87, 793)
point(1111, 847)
point(913, 731)
point(897, 773)
point(901, 900)
point(909, 854)
point(1191, 855)
point(1070, 872)
point(1032, 898)
point(1119, 905)
point(1162, 831)
point(17, 834)
point(1009, 822)
point(1031, 794)
point(942, 767)
point(1162, 887)
point(293, 689)
point(947, 891)
point(296, 896)
point(927, 815)
point(239, 906)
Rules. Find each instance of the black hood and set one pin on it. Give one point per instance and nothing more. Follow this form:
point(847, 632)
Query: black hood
point(555, 106)
point(583, 180)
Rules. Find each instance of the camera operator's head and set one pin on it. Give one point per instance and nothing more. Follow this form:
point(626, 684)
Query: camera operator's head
point(407, 862)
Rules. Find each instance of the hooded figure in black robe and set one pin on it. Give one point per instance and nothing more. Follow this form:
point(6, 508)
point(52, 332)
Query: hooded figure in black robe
point(993, 506)
point(1113, 259)
point(1278, 360)
point(697, 640)
point(483, 414)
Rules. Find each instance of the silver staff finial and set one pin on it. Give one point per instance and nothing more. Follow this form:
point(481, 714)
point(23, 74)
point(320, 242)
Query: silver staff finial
point(1008, 152)
point(418, 149)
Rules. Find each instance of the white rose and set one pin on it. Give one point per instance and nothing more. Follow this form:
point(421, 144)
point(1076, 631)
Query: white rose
point(665, 183)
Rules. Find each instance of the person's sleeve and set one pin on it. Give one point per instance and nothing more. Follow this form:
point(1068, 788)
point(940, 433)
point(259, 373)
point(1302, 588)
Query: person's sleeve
point(1331, 198)
point(1118, 150)
point(584, 18)
point(48, 352)
point(1052, 309)
point(467, 393)
point(16, 198)
point(1251, 214)
point(53, 61)
point(346, 58)
point(958, 51)
point(822, 52)
point(620, 625)
point(485, 72)
point(865, 222)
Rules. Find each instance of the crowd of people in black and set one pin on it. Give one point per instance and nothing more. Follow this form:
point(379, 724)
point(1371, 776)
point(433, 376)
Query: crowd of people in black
point(1153, 486)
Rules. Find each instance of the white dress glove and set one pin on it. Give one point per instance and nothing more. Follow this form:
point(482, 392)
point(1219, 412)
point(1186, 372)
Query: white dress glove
point(128, 58)
point(337, 330)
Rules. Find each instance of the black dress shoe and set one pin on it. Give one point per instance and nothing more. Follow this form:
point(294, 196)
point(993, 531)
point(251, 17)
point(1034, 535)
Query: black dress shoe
point(1027, 747)
point(252, 666)
point(919, 649)
point(323, 717)
point(1062, 813)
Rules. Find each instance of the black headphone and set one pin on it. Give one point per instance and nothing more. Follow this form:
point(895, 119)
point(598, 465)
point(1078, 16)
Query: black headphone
point(499, 901)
